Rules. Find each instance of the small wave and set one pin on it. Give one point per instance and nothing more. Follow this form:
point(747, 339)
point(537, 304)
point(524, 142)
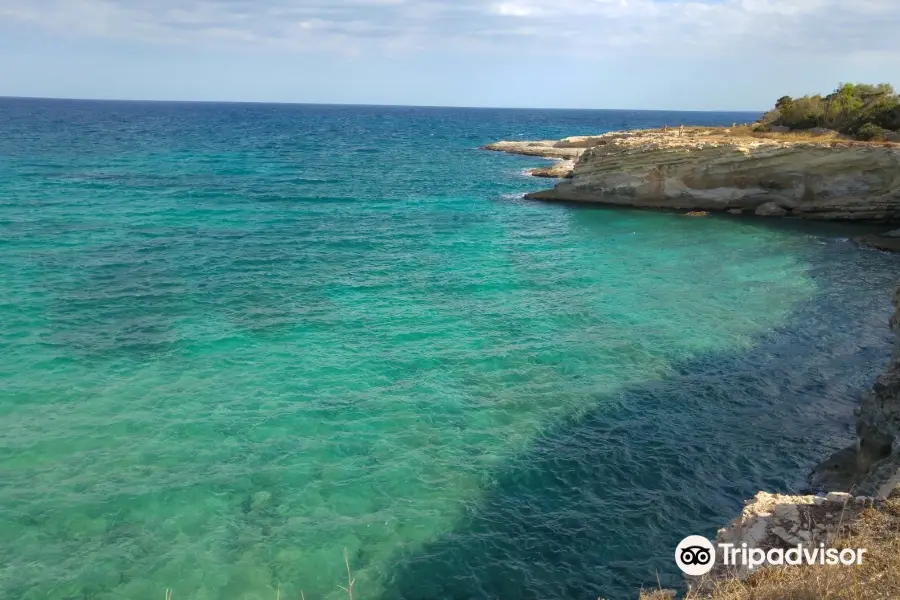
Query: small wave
point(311, 180)
point(825, 239)
point(516, 196)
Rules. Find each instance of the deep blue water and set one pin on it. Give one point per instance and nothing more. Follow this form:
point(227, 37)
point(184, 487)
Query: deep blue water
point(238, 339)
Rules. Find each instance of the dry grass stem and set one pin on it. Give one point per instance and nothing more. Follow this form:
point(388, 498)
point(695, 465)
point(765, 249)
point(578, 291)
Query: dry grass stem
point(350, 579)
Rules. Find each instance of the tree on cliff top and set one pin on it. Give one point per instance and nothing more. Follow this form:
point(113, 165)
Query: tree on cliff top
point(857, 109)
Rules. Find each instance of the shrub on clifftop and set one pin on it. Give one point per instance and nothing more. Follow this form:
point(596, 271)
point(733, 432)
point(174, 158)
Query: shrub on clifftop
point(869, 132)
point(860, 110)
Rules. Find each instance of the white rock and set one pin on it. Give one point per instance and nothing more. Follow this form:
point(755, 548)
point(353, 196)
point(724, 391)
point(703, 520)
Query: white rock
point(786, 511)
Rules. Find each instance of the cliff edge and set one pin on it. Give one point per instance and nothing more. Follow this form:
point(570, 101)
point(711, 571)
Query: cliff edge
point(719, 169)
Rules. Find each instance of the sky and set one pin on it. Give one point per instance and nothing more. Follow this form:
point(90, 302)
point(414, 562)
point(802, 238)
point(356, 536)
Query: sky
point(636, 54)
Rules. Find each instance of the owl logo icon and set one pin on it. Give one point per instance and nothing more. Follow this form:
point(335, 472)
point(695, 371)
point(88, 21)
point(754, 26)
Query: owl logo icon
point(695, 555)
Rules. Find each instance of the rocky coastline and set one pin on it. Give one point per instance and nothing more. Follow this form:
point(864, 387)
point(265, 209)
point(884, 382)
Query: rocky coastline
point(718, 169)
point(809, 176)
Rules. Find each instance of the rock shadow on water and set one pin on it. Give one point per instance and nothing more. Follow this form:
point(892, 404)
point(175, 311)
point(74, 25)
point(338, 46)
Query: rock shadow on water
point(598, 504)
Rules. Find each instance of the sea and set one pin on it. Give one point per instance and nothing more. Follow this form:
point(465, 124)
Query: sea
point(246, 349)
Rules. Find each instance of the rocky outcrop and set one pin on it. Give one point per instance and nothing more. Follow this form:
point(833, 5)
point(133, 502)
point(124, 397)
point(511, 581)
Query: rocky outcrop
point(889, 241)
point(566, 152)
point(708, 169)
point(771, 521)
point(545, 148)
point(770, 209)
point(559, 169)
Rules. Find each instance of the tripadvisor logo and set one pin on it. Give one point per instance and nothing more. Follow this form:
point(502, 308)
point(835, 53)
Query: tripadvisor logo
point(696, 555)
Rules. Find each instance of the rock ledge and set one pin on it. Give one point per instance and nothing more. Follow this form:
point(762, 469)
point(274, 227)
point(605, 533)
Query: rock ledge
point(707, 169)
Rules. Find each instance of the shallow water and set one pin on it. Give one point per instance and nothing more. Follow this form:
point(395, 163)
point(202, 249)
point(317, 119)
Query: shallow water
point(239, 339)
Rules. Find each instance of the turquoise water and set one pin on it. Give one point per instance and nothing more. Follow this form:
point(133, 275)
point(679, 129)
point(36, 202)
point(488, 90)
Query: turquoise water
point(239, 339)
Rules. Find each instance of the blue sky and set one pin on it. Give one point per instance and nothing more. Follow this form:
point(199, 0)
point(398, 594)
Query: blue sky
point(654, 54)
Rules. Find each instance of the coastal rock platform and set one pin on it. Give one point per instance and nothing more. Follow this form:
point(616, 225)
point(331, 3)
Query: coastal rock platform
point(713, 169)
point(565, 152)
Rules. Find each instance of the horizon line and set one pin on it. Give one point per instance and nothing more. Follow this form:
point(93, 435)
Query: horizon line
point(365, 105)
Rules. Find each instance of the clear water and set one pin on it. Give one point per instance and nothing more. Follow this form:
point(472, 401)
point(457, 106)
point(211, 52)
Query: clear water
point(236, 340)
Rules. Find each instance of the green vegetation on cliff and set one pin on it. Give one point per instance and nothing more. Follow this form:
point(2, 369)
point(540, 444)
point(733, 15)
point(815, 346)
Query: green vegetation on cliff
point(864, 111)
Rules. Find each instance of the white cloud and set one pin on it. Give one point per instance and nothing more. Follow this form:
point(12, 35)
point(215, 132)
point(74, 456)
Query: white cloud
point(512, 10)
point(567, 27)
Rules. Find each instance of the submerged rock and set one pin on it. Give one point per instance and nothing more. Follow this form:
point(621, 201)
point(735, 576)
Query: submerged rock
point(886, 242)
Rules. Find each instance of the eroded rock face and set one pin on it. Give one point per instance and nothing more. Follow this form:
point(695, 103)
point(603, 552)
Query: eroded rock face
point(708, 170)
point(878, 425)
point(559, 169)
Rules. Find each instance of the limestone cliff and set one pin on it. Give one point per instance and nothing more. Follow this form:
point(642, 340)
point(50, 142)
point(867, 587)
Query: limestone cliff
point(709, 169)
